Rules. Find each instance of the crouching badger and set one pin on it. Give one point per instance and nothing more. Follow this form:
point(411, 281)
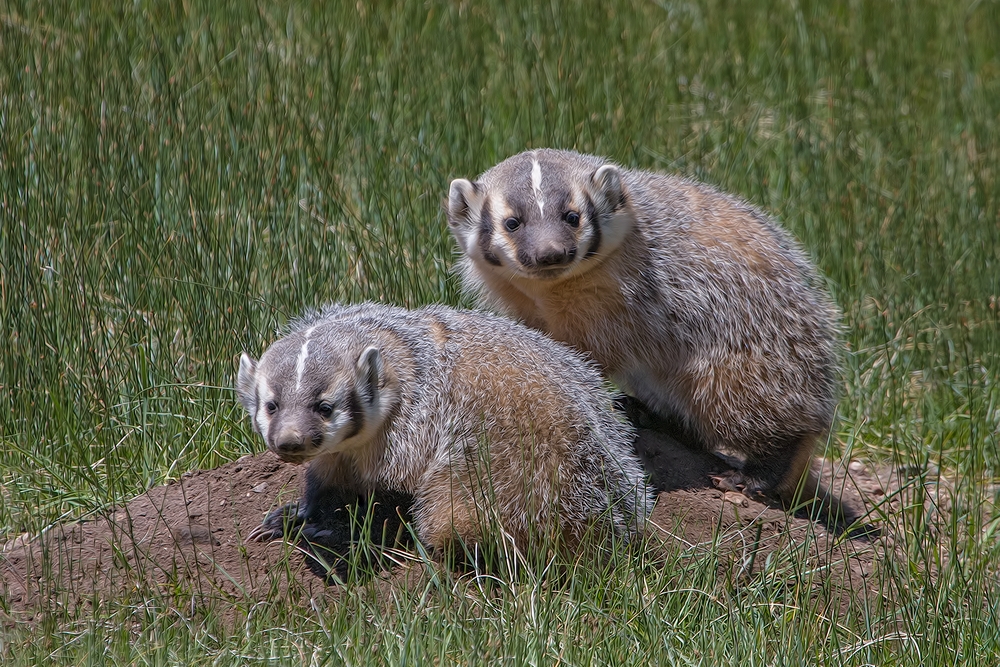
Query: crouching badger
point(482, 421)
point(690, 300)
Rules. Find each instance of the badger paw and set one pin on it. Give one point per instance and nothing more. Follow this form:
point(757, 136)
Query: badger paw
point(280, 522)
point(736, 482)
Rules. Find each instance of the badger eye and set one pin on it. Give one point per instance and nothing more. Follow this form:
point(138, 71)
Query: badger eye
point(325, 409)
point(572, 218)
point(271, 407)
point(511, 224)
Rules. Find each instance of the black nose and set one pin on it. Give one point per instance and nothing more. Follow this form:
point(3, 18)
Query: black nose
point(285, 447)
point(554, 256)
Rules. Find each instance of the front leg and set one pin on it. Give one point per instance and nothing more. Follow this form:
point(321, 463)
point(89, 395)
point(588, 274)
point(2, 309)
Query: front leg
point(321, 509)
point(346, 528)
point(333, 519)
point(357, 538)
point(279, 522)
point(317, 515)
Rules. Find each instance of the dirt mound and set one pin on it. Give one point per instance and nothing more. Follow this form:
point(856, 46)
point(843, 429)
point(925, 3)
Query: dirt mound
point(745, 535)
point(188, 539)
point(187, 536)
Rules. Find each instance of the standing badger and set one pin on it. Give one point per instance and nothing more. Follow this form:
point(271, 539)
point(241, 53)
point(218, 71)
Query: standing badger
point(485, 423)
point(691, 300)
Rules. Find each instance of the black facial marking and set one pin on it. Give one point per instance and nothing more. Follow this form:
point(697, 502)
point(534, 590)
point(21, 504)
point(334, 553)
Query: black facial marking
point(486, 236)
point(486, 231)
point(357, 415)
point(595, 227)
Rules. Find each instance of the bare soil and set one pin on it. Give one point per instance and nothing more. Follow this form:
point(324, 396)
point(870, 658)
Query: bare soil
point(188, 539)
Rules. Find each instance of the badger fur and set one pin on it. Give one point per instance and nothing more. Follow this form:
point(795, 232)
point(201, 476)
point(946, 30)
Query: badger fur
point(485, 423)
point(690, 300)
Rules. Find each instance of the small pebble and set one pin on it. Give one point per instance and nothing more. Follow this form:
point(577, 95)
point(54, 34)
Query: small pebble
point(736, 498)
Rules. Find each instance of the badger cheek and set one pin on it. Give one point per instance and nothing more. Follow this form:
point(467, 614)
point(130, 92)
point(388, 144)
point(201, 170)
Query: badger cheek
point(263, 425)
point(331, 436)
point(491, 257)
point(493, 249)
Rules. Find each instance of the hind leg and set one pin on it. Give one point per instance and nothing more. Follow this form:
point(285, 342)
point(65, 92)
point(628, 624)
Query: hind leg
point(785, 475)
point(444, 511)
point(775, 476)
point(776, 473)
point(468, 517)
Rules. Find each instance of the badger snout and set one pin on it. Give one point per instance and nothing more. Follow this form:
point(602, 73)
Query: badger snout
point(289, 447)
point(546, 257)
point(295, 445)
point(554, 255)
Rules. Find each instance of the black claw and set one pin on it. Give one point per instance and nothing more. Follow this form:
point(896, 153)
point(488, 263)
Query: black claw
point(333, 524)
point(284, 521)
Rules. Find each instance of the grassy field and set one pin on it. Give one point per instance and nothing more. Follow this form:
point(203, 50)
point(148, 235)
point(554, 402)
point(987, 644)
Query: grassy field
point(178, 179)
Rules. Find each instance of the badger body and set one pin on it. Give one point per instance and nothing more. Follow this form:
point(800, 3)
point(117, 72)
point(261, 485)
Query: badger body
point(690, 300)
point(484, 422)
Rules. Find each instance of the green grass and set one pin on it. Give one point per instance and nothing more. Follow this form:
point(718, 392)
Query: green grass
point(177, 180)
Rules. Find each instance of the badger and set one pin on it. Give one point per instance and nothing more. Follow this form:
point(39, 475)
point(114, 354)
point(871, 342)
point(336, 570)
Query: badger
point(691, 301)
point(494, 430)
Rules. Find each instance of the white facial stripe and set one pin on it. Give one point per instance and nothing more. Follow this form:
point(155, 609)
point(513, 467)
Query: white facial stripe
point(264, 394)
point(536, 184)
point(336, 431)
point(300, 363)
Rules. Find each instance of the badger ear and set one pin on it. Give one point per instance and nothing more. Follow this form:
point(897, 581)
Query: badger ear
point(607, 182)
point(246, 384)
point(369, 375)
point(465, 200)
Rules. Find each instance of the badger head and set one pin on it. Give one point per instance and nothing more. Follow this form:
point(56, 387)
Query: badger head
point(543, 214)
point(307, 398)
